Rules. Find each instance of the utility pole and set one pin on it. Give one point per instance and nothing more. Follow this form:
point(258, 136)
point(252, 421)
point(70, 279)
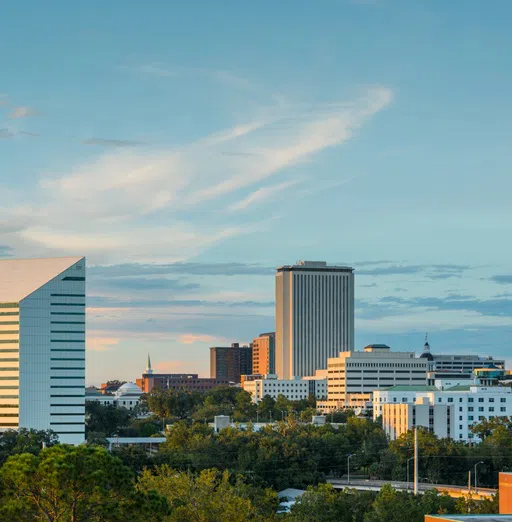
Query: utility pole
point(415, 461)
point(469, 481)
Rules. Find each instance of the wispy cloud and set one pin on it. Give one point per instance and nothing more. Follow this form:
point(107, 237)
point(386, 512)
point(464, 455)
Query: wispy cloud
point(260, 195)
point(4, 99)
point(104, 142)
point(22, 112)
point(101, 344)
point(504, 279)
point(5, 133)
point(110, 206)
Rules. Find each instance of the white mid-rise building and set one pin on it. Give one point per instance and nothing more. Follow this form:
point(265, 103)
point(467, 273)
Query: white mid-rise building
point(353, 376)
point(293, 389)
point(42, 346)
point(447, 413)
point(314, 316)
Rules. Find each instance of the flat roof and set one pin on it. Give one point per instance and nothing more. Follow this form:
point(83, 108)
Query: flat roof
point(473, 518)
point(403, 387)
point(21, 277)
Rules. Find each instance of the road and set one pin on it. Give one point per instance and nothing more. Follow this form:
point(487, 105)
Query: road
point(376, 485)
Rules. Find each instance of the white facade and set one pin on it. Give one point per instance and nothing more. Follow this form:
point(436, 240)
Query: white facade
point(314, 316)
point(463, 363)
point(293, 389)
point(467, 404)
point(353, 376)
point(42, 346)
point(127, 396)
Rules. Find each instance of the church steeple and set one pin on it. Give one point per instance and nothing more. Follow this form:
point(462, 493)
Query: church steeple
point(149, 370)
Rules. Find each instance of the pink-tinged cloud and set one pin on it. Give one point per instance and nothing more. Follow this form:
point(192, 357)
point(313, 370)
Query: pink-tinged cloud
point(196, 338)
point(101, 344)
point(170, 367)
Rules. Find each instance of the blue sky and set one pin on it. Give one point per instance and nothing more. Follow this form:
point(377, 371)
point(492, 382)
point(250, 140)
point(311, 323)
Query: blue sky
point(189, 148)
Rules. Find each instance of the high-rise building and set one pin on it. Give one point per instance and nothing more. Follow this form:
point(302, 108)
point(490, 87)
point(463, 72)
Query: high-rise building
point(230, 362)
point(314, 316)
point(42, 346)
point(264, 354)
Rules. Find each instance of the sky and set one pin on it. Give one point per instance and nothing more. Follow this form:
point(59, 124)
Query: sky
point(187, 149)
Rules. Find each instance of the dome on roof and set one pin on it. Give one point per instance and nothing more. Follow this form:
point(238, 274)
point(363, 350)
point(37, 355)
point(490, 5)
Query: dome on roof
point(427, 355)
point(128, 388)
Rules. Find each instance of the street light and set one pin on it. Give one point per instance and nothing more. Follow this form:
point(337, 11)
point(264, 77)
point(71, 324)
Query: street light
point(282, 414)
point(408, 460)
point(270, 413)
point(477, 464)
point(348, 467)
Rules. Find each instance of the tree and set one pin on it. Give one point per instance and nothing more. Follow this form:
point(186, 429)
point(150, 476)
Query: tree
point(394, 506)
point(74, 484)
point(107, 420)
point(25, 441)
point(324, 504)
point(209, 496)
point(173, 404)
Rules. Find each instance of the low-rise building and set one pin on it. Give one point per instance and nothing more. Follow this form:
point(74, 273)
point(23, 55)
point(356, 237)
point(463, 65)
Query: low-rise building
point(293, 389)
point(447, 413)
point(177, 381)
point(126, 396)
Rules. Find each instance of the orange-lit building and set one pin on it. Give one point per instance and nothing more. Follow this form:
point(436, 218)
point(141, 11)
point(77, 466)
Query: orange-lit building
point(264, 354)
point(505, 515)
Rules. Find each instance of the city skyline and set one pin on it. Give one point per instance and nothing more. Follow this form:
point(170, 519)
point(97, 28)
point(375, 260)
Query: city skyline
point(188, 155)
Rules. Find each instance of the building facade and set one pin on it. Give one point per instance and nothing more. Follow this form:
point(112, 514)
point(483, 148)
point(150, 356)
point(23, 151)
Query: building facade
point(314, 316)
point(229, 363)
point(353, 376)
point(42, 346)
point(464, 363)
point(467, 405)
point(293, 389)
point(126, 396)
point(264, 354)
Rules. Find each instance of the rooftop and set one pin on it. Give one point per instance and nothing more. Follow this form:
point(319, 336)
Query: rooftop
point(315, 266)
point(402, 387)
point(472, 518)
point(21, 277)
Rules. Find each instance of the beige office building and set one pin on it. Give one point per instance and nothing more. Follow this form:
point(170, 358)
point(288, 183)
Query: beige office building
point(314, 316)
point(353, 376)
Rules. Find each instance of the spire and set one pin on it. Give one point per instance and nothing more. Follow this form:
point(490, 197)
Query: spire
point(149, 370)
point(426, 346)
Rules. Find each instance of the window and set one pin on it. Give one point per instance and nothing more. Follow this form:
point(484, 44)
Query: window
point(481, 399)
point(470, 417)
point(450, 399)
point(460, 408)
point(439, 400)
point(503, 408)
point(503, 399)
point(460, 417)
point(470, 399)
point(481, 408)
point(460, 426)
point(491, 399)
point(470, 408)
point(491, 408)
point(460, 399)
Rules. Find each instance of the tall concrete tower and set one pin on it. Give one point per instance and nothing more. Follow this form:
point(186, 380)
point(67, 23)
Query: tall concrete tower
point(314, 316)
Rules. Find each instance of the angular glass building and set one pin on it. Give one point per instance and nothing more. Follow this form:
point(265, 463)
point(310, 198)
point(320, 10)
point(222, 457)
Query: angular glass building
point(42, 346)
